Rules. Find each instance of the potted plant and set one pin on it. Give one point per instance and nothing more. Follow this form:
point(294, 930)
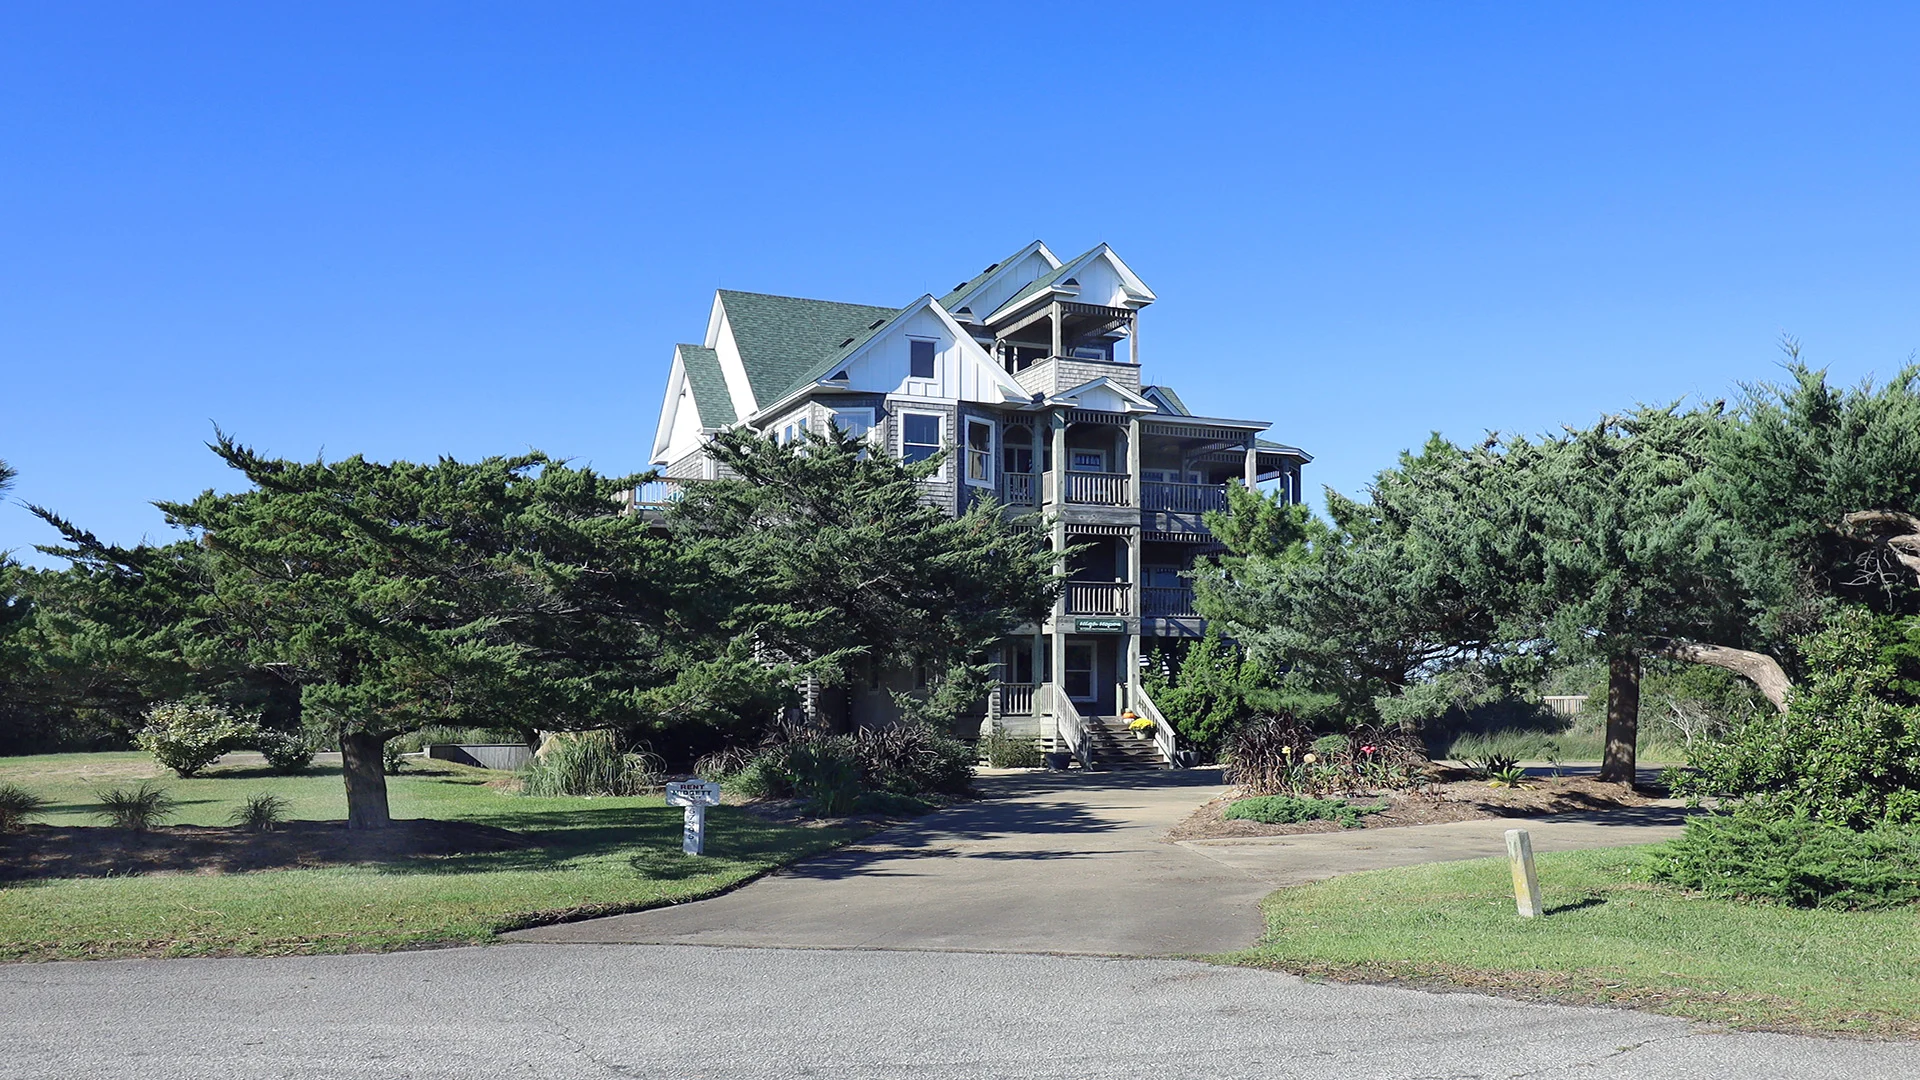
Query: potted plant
point(1139, 725)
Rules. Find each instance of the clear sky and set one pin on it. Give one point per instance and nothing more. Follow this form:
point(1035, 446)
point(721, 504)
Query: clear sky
point(407, 229)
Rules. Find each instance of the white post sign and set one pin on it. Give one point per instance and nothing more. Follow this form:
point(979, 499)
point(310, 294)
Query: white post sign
point(696, 796)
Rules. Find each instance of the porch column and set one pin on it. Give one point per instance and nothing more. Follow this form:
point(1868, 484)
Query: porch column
point(1039, 461)
point(1059, 473)
point(1133, 461)
point(1133, 340)
point(1039, 645)
point(1056, 328)
point(1133, 670)
point(1253, 463)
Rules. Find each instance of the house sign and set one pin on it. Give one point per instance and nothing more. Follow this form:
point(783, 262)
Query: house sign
point(1099, 626)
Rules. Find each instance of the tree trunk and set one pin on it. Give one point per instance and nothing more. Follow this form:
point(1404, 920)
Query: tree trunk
point(364, 765)
point(1761, 670)
point(1623, 720)
point(1897, 532)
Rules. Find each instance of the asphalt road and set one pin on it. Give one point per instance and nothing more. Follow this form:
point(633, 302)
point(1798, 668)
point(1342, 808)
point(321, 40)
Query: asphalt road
point(1069, 864)
point(591, 1011)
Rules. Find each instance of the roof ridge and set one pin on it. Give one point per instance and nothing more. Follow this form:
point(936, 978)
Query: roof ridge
point(802, 299)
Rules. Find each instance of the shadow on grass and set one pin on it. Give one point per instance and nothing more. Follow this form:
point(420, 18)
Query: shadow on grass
point(1574, 905)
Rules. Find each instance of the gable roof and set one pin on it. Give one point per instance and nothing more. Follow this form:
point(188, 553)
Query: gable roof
point(782, 338)
point(1010, 388)
point(708, 384)
point(1068, 269)
point(962, 290)
point(1167, 399)
point(1133, 399)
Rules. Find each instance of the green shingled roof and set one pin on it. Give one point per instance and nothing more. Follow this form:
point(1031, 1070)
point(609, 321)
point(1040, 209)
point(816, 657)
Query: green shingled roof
point(948, 300)
point(1173, 399)
point(783, 338)
point(709, 385)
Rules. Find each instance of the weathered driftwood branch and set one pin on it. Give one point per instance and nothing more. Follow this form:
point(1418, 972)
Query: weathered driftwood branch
point(1758, 668)
point(1898, 533)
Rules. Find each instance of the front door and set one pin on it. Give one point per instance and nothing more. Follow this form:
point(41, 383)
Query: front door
point(1083, 668)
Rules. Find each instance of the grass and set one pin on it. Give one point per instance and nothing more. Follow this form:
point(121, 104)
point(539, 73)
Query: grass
point(591, 856)
point(1609, 936)
point(1578, 744)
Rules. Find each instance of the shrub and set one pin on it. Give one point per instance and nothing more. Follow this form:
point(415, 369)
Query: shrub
point(1331, 746)
point(823, 771)
point(1492, 766)
point(137, 810)
point(724, 763)
point(187, 738)
point(1289, 809)
point(759, 779)
point(1265, 757)
point(1794, 860)
point(913, 759)
point(393, 756)
point(286, 751)
point(17, 804)
point(591, 763)
point(1004, 751)
point(261, 812)
point(1847, 749)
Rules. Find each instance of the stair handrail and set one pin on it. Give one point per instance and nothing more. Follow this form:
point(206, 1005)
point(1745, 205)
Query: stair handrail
point(1163, 733)
point(1072, 727)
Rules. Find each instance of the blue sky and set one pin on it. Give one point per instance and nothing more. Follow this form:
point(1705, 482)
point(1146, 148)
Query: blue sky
point(407, 230)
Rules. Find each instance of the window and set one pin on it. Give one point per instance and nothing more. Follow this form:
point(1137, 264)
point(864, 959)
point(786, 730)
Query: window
point(786, 435)
point(1016, 456)
point(1092, 352)
point(803, 426)
point(1087, 460)
point(1083, 658)
point(919, 436)
point(922, 359)
point(979, 451)
point(855, 422)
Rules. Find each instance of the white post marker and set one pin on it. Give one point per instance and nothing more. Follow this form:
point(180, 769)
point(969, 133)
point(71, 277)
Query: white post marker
point(1526, 883)
point(696, 796)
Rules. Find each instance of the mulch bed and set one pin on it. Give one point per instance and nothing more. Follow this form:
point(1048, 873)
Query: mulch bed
point(1450, 798)
point(46, 851)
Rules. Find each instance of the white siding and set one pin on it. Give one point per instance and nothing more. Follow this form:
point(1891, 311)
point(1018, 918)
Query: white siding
point(738, 387)
point(961, 369)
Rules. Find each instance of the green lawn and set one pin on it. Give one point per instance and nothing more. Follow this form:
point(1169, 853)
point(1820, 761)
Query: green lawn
point(590, 855)
point(1610, 937)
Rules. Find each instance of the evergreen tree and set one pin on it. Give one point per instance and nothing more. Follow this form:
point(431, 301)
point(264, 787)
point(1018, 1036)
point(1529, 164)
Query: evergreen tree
point(506, 592)
point(861, 568)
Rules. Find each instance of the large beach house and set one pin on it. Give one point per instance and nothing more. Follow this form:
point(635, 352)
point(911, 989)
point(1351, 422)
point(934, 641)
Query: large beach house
point(1030, 373)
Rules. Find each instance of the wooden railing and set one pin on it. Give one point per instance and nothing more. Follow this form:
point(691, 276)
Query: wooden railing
point(1070, 729)
point(1016, 699)
point(1163, 736)
point(1097, 488)
point(656, 494)
point(1099, 598)
point(1019, 489)
point(1182, 498)
point(1168, 602)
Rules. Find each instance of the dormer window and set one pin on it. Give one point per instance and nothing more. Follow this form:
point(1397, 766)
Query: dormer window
point(920, 359)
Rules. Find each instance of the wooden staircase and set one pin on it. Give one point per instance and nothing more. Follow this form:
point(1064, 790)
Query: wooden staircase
point(1114, 747)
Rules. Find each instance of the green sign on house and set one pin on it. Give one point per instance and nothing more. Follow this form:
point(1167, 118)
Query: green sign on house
point(1099, 626)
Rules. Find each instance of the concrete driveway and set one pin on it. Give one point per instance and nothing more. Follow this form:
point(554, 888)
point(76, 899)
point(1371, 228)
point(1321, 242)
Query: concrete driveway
point(1074, 863)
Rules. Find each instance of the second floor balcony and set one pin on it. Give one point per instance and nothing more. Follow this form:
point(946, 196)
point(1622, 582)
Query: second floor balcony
point(1099, 598)
point(1098, 488)
point(1183, 498)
